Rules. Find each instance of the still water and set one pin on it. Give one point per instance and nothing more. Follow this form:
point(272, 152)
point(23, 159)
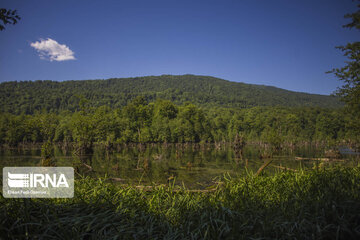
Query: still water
point(194, 166)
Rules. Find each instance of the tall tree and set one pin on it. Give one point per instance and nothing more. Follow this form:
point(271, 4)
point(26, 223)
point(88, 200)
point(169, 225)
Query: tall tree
point(350, 73)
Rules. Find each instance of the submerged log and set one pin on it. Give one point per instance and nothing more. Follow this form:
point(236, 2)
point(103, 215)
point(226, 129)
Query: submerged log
point(319, 159)
point(148, 188)
point(266, 163)
point(152, 188)
point(88, 166)
point(284, 168)
point(313, 159)
point(118, 179)
point(331, 153)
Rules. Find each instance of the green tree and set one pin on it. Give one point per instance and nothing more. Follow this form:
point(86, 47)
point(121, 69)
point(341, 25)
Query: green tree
point(166, 109)
point(350, 73)
point(164, 112)
point(138, 114)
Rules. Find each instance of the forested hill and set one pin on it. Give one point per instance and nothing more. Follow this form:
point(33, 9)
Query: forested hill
point(31, 96)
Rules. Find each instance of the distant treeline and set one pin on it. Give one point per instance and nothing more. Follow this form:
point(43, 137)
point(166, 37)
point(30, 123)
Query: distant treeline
point(163, 121)
point(28, 97)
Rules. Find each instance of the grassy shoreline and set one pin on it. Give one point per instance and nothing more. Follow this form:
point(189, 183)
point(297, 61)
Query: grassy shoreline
point(312, 204)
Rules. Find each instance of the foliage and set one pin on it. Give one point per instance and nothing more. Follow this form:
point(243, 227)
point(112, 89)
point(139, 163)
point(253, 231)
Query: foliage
point(350, 74)
point(163, 121)
point(29, 97)
point(316, 204)
point(8, 16)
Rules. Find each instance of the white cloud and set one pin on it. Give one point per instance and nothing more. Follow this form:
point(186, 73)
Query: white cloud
point(51, 50)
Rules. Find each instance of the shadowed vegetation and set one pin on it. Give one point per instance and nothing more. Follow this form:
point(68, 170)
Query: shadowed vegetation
point(316, 204)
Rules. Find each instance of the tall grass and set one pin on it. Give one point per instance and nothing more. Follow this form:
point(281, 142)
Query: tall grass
point(315, 204)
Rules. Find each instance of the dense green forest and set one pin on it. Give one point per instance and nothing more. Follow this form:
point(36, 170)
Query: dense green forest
point(166, 109)
point(163, 121)
point(30, 96)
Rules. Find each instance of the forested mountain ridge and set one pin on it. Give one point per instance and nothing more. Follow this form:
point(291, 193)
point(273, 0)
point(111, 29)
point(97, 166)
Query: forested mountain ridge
point(31, 96)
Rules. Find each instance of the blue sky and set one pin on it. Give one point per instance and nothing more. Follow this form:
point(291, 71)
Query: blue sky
point(287, 44)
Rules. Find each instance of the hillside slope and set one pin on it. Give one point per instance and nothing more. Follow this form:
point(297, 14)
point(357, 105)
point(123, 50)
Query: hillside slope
point(30, 96)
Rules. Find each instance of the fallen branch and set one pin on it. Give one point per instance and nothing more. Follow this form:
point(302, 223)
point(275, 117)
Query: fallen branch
point(320, 159)
point(284, 168)
point(263, 167)
point(153, 188)
point(88, 166)
point(118, 179)
point(313, 159)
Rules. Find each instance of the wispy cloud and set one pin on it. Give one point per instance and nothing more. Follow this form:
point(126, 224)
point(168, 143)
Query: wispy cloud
point(51, 50)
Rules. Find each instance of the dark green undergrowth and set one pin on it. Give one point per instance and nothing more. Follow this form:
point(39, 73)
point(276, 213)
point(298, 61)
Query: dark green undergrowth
point(316, 204)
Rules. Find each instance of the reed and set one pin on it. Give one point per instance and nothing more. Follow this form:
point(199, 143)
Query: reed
point(313, 204)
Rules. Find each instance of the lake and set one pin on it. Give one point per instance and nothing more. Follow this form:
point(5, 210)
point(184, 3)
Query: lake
point(195, 166)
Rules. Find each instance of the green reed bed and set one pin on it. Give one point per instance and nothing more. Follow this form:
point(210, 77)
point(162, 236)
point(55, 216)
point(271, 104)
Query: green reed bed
point(316, 204)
